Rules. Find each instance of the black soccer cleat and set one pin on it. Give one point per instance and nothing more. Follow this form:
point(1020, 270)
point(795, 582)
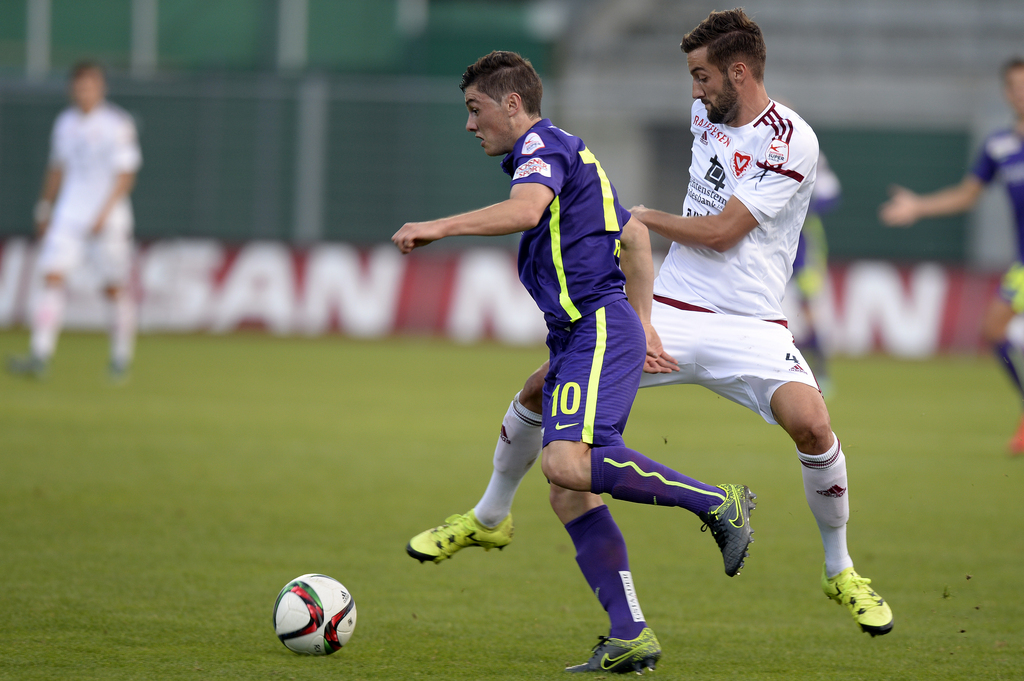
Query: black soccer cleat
point(730, 525)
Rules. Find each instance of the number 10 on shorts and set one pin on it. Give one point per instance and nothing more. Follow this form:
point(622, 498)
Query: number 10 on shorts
point(569, 400)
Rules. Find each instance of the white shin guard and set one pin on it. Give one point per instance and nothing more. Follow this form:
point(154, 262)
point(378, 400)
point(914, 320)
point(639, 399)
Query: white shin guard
point(825, 486)
point(47, 321)
point(518, 447)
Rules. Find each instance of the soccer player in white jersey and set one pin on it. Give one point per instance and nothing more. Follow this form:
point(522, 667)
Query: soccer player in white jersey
point(717, 302)
point(84, 215)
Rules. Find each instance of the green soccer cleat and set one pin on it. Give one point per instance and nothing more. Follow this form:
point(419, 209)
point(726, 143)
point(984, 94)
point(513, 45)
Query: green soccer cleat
point(28, 366)
point(869, 609)
point(458, 532)
point(730, 525)
point(620, 657)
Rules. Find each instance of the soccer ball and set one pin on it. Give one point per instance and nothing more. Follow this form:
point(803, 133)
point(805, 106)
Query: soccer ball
point(314, 615)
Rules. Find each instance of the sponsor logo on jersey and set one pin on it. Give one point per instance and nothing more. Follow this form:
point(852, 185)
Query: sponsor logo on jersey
point(835, 491)
point(712, 130)
point(797, 368)
point(704, 138)
point(532, 143)
point(534, 165)
point(777, 153)
point(716, 174)
point(708, 198)
point(740, 163)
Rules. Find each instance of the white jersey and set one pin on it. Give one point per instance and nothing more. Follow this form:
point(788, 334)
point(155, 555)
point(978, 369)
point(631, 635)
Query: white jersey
point(770, 166)
point(92, 149)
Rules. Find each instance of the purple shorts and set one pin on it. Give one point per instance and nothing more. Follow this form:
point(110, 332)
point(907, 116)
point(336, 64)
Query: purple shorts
point(595, 371)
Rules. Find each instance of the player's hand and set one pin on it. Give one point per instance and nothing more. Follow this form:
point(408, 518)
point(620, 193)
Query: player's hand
point(901, 209)
point(41, 227)
point(416, 234)
point(637, 211)
point(657, 361)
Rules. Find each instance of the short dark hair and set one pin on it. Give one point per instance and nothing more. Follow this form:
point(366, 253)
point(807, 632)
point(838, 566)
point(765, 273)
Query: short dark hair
point(1011, 64)
point(499, 74)
point(729, 36)
point(84, 66)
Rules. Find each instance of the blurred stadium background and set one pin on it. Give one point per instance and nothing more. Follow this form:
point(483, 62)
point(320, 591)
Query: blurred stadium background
point(272, 129)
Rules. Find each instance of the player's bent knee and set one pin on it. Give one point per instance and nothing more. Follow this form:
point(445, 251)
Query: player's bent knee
point(813, 437)
point(561, 467)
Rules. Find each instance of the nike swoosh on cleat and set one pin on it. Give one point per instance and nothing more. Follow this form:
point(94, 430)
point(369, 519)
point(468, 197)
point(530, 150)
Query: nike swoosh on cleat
point(614, 660)
point(559, 426)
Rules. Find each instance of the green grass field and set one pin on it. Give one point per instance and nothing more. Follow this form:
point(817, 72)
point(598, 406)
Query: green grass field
point(147, 528)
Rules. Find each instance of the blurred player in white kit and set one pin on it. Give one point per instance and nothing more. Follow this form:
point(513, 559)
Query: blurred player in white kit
point(84, 215)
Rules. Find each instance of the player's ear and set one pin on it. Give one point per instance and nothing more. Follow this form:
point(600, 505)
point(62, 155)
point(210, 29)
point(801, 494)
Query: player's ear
point(737, 71)
point(513, 103)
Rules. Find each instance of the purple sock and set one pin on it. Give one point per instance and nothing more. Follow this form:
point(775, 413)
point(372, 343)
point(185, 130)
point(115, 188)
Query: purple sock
point(631, 476)
point(1002, 351)
point(602, 557)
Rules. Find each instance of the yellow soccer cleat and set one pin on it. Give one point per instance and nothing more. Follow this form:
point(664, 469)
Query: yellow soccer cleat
point(869, 609)
point(458, 532)
point(621, 657)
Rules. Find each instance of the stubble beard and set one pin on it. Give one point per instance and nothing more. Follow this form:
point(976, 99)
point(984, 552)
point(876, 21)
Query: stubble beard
point(727, 108)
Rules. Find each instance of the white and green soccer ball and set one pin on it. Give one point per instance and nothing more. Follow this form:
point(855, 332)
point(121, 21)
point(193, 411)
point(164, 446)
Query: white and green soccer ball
point(314, 615)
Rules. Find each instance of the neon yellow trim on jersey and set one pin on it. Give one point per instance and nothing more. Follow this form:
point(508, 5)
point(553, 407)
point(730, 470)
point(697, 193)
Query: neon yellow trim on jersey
point(659, 476)
point(556, 256)
point(1012, 287)
point(600, 345)
point(611, 220)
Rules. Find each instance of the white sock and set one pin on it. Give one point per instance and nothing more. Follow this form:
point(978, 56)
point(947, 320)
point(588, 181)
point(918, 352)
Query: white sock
point(825, 487)
point(518, 447)
point(122, 329)
point(1015, 331)
point(47, 321)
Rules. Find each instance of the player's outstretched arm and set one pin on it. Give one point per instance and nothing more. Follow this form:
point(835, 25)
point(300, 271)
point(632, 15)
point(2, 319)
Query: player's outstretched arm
point(636, 263)
point(521, 211)
point(904, 208)
point(717, 232)
point(47, 196)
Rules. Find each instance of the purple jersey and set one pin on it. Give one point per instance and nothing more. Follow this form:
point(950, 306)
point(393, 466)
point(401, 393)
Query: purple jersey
point(569, 262)
point(1003, 155)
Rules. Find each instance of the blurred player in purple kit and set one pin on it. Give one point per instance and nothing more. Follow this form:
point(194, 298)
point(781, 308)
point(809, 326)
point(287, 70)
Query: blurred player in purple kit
point(717, 302)
point(810, 268)
point(1001, 155)
point(575, 234)
point(84, 214)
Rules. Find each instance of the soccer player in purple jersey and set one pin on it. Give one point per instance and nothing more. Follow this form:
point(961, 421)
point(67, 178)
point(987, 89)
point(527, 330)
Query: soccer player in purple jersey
point(587, 264)
point(717, 303)
point(1001, 155)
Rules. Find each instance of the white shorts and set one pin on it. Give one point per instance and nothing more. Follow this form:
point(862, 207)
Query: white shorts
point(740, 358)
point(63, 251)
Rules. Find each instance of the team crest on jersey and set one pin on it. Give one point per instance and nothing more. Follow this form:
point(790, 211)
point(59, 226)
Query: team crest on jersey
point(740, 163)
point(777, 153)
point(532, 143)
point(704, 138)
point(534, 165)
